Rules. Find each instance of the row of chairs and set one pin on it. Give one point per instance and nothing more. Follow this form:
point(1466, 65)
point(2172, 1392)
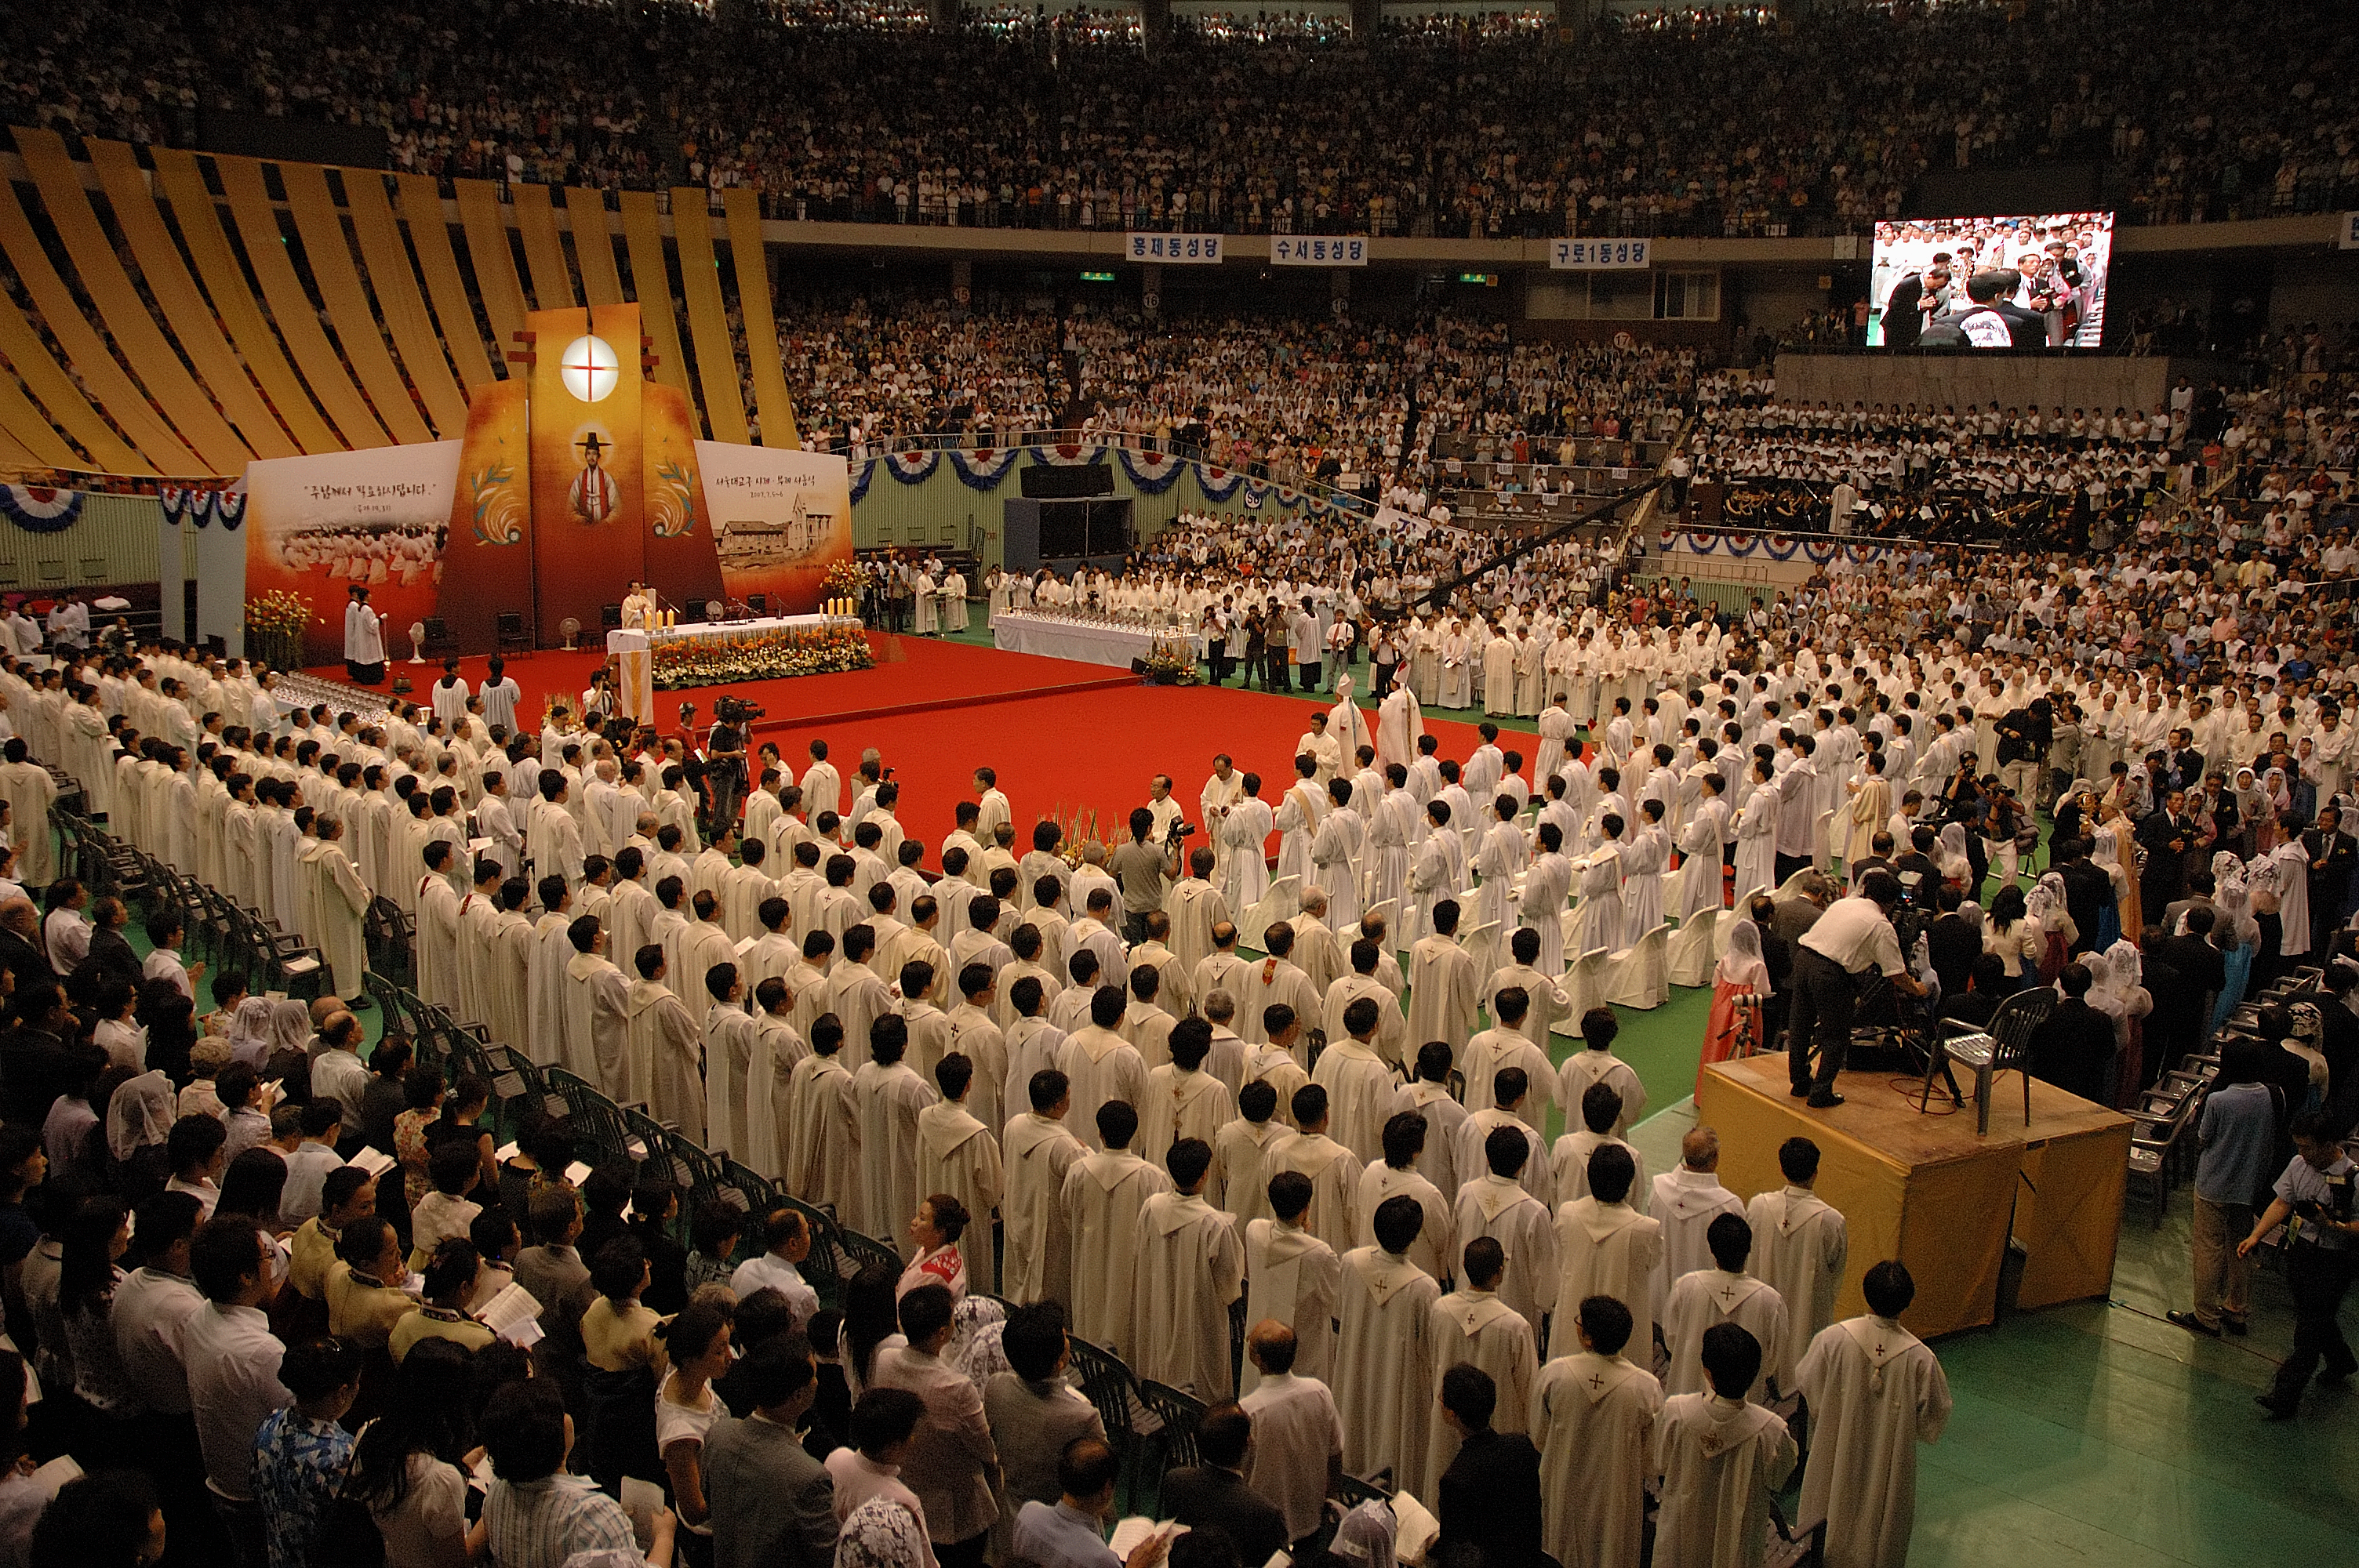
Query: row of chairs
point(2162, 1141)
point(216, 927)
point(603, 1131)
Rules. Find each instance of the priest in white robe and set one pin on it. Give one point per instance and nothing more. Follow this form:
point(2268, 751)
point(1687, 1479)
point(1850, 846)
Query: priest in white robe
point(29, 792)
point(1244, 835)
point(1498, 675)
point(1294, 1277)
point(889, 1095)
point(1686, 1199)
point(822, 1160)
point(1725, 1293)
point(339, 908)
point(1606, 1248)
point(1188, 1266)
point(552, 951)
point(958, 1155)
point(1443, 986)
point(779, 1048)
point(1800, 1246)
point(728, 1062)
point(1105, 1193)
point(1040, 1154)
point(1472, 1325)
point(666, 1053)
point(1385, 1354)
point(1721, 1458)
point(1400, 724)
point(597, 1016)
point(1593, 1418)
point(1876, 1392)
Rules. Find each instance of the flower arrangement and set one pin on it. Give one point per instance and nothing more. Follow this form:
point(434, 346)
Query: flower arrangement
point(281, 613)
point(767, 656)
point(844, 580)
point(1079, 828)
point(1171, 663)
point(276, 624)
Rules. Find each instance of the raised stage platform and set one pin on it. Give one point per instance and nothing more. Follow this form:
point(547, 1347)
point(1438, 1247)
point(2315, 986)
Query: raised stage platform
point(1927, 1190)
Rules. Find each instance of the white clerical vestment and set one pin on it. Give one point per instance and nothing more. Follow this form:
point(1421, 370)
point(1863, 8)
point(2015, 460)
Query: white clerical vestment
point(778, 1047)
point(1604, 1249)
point(1384, 1367)
point(958, 1155)
point(889, 1098)
point(1800, 1246)
point(1593, 1421)
point(552, 951)
point(1876, 1392)
point(1297, 1279)
point(1188, 1266)
point(1686, 1203)
point(339, 904)
point(822, 1162)
point(665, 1053)
point(597, 1026)
point(1476, 1326)
point(1101, 1065)
point(728, 1066)
point(1040, 1155)
point(1719, 1460)
point(1105, 1195)
point(1499, 1207)
point(1711, 1296)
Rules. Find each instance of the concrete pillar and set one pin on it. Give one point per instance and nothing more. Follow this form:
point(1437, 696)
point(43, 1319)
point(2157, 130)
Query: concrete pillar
point(1339, 291)
point(945, 13)
point(1574, 16)
point(1365, 14)
point(1150, 292)
point(961, 289)
point(1155, 21)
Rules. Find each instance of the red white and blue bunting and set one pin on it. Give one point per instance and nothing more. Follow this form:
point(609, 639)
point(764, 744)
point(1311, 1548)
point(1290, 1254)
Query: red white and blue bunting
point(203, 508)
point(1218, 485)
point(862, 472)
point(1817, 548)
point(912, 468)
point(986, 467)
point(36, 509)
point(1068, 455)
point(1151, 472)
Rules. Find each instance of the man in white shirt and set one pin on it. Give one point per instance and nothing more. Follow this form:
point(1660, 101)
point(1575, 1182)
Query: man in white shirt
point(232, 1365)
point(1297, 1449)
point(786, 1237)
point(1851, 941)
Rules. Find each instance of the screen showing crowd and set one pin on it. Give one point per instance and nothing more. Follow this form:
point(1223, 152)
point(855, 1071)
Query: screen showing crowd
point(2042, 281)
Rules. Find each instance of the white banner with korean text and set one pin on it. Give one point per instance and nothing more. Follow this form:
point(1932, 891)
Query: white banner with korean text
point(1319, 249)
point(1183, 250)
point(1600, 255)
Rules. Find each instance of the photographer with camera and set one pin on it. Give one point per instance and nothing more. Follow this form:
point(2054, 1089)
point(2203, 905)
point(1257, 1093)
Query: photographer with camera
point(1144, 867)
point(724, 760)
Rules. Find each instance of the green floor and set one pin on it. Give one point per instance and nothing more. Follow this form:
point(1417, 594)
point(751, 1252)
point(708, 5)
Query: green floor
point(2089, 1433)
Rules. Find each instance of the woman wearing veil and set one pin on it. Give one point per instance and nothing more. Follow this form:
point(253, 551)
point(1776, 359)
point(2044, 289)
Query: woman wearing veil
point(138, 1119)
point(249, 1031)
point(2044, 907)
point(2243, 938)
point(1740, 985)
point(2120, 993)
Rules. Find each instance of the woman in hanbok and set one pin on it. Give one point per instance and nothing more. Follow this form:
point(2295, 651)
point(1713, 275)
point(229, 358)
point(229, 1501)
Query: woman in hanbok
point(935, 1258)
point(2276, 799)
point(2105, 854)
point(2044, 908)
point(1740, 984)
point(1648, 856)
point(2235, 897)
point(2120, 994)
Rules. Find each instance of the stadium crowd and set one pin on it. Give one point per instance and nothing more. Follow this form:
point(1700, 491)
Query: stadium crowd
point(1484, 126)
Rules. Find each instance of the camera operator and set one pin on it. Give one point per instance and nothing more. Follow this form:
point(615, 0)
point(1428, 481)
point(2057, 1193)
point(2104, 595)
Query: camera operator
point(1144, 867)
point(725, 762)
point(1846, 948)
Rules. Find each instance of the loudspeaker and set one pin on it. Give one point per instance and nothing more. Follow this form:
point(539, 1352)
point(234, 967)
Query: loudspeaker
point(1042, 481)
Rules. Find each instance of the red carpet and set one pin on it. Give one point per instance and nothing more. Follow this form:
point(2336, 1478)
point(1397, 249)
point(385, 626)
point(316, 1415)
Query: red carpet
point(1062, 736)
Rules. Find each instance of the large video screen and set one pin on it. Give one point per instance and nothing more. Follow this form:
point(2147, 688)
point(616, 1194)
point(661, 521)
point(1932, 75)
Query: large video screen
point(1922, 266)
